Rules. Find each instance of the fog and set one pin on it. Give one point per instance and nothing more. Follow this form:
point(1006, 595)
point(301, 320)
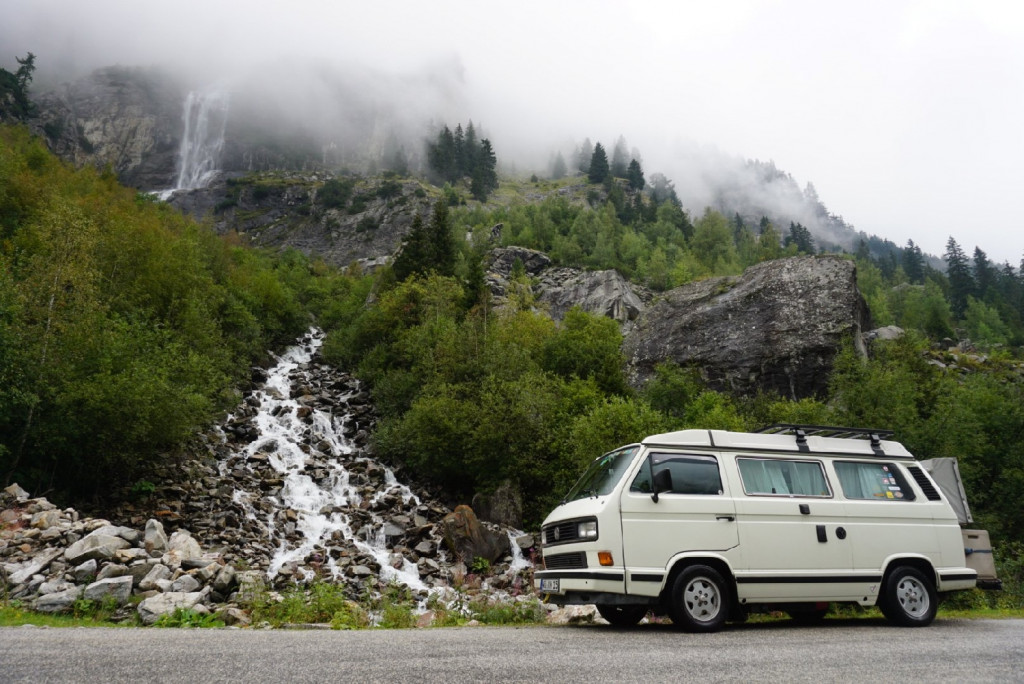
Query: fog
point(904, 115)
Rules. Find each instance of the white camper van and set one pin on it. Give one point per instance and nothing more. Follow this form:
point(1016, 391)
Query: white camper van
point(707, 525)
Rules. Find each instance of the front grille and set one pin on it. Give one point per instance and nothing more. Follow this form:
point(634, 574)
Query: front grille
point(566, 561)
point(560, 533)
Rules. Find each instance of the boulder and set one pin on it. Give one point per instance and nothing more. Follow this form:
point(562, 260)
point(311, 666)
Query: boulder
point(503, 506)
point(86, 570)
point(185, 584)
point(46, 519)
point(777, 327)
point(57, 602)
point(98, 546)
point(502, 259)
point(468, 539)
point(16, 492)
point(181, 546)
point(155, 539)
point(38, 563)
point(602, 293)
point(158, 572)
point(152, 608)
point(118, 588)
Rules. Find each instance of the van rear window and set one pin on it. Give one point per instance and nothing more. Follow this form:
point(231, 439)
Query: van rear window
point(874, 481)
point(767, 477)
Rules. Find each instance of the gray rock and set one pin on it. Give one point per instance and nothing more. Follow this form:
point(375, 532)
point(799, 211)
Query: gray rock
point(152, 608)
point(130, 535)
point(32, 566)
point(53, 586)
point(503, 506)
point(776, 328)
point(158, 572)
point(182, 546)
point(46, 519)
point(888, 332)
point(112, 570)
point(86, 570)
point(119, 588)
point(602, 293)
point(225, 580)
point(16, 491)
point(57, 602)
point(155, 540)
point(98, 546)
point(185, 584)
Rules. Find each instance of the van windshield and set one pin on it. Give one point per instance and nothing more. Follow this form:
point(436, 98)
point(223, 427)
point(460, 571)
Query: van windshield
point(603, 474)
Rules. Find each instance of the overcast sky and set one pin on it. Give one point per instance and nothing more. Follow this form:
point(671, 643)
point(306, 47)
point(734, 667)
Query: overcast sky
point(905, 115)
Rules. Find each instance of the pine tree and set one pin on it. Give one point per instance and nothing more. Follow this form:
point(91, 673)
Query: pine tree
point(913, 262)
point(598, 170)
point(485, 177)
point(619, 165)
point(442, 242)
point(584, 155)
point(635, 174)
point(984, 274)
point(470, 148)
point(961, 283)
point(801, 237)
point(415, 254)
point(558, 168)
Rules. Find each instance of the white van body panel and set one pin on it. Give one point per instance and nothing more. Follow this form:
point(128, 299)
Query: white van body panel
point(780, 522)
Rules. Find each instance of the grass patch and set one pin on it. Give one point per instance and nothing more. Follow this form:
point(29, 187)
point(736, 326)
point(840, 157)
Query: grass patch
point(14, 615)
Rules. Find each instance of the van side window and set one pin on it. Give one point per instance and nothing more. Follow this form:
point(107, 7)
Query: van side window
point(872, 481)
point(763, 476)
point(690, 474)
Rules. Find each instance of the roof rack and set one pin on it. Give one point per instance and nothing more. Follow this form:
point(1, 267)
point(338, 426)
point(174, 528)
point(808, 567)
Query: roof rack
point(803, 431)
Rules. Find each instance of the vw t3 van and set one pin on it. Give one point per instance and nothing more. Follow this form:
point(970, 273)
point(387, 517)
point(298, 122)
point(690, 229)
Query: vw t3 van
point(708, 525)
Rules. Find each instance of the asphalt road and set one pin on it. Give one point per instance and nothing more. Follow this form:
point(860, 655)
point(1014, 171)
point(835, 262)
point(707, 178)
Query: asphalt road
point(948, 651)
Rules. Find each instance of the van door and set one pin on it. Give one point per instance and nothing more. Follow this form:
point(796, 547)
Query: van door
point(792, 532)
point(694, 514)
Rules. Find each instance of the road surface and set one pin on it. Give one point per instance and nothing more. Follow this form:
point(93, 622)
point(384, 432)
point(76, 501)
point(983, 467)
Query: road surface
point(839, 650)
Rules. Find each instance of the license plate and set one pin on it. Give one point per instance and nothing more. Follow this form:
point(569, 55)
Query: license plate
point(549, 586)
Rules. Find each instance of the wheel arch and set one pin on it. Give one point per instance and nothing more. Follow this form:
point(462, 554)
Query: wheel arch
point(680, 563)
point(921, 563)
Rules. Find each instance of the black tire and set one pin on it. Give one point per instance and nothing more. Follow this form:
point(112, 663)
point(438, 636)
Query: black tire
point(622, 616)
point(700, 600)
point(808, 616)
point(909, 598)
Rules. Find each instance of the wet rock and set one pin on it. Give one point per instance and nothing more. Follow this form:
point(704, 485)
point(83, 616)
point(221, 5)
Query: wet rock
point(468, 539)
point(503, 506)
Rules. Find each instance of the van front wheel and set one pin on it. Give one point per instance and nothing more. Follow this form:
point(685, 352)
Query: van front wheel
point(909, 598)
point(700, 600)
point(622, 616)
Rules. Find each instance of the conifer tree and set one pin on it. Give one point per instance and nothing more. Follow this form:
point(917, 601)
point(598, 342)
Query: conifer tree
point(485, 177)
point(598, 170)
point(635, 174)
point(913, 262)
point(558, 168)
point(961, 283)
point(584, 154)
point(619, 165)
point(984, 274)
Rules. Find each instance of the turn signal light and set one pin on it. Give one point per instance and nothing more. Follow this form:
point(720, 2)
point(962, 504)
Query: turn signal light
point(605, 558)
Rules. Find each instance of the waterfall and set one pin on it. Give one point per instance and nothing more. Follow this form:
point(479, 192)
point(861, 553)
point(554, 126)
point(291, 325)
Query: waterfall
point(205, 117)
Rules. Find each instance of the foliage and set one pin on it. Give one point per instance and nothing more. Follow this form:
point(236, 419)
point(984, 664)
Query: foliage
point(188, 617)
point(14, 102)
point(123, 324)
point(489, 612)
point(454, 156)
point(336, 193)
point(598, 169)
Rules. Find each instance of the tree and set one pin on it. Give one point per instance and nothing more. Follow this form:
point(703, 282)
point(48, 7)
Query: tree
point(583, 156)
point(912, 261)
point(598, 169)
point(619, 165)
point(558, 168)
point(961, 283)
point(984, 274)
point(484, 177)
point(428, 247)
point(801, 237)
point(662, 190)
point(14, 89)
point(635, 174)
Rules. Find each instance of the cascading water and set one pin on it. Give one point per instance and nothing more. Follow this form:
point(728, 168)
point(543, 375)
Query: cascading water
point(295, 441)
point(205, 119)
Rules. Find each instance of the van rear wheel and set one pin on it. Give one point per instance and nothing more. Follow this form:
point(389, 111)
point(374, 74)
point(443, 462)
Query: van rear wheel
point(622, 616)
point(909, 598)
point(699, 600)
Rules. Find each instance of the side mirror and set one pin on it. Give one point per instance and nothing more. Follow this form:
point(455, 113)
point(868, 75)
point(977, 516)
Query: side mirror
point(662, 482)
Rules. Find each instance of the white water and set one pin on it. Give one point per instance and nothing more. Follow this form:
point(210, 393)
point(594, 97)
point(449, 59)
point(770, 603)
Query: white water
point(282, 436)
point(205, 119)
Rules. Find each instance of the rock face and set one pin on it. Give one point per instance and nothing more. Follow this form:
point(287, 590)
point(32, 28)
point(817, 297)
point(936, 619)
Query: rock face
point(777, 327)
point(129, 118)
point(468, 539)
point(602, 293)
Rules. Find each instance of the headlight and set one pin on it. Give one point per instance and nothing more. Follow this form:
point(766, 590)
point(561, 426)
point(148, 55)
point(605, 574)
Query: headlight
point(588, 529)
